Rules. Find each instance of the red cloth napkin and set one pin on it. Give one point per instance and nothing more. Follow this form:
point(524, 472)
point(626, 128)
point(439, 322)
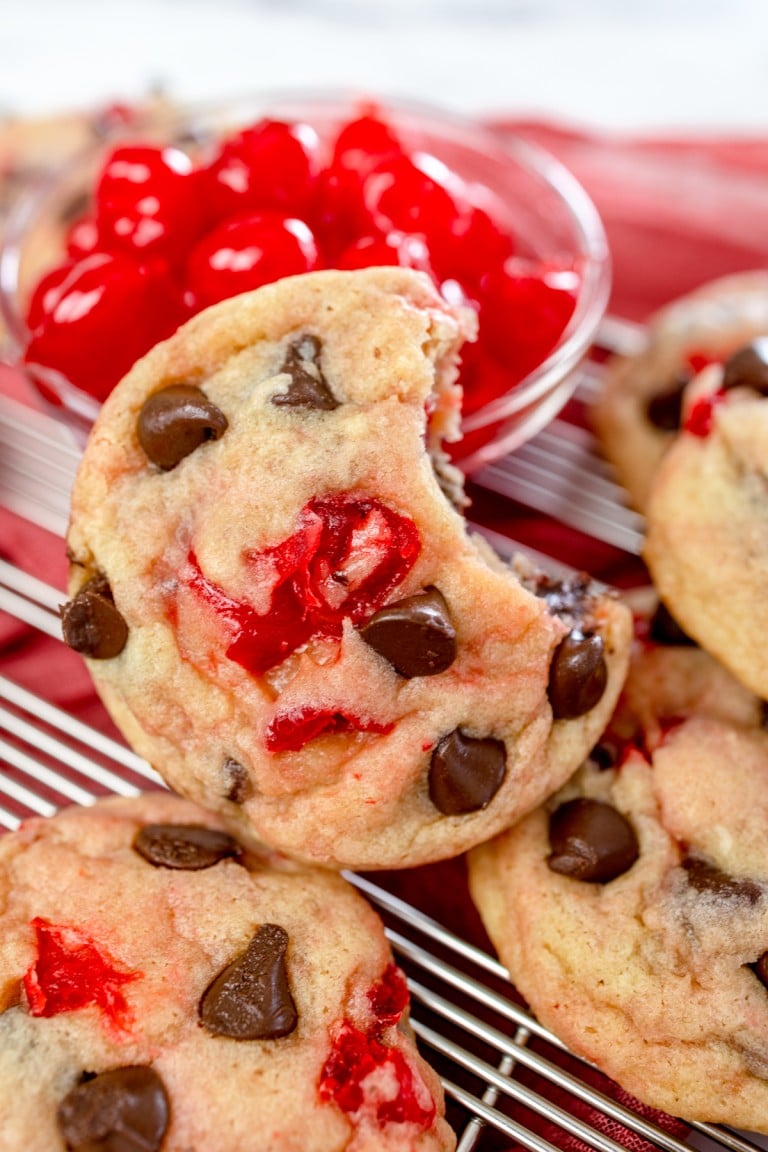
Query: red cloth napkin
point(677, 212)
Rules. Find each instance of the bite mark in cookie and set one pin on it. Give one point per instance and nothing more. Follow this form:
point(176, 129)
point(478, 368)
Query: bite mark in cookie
point(305, 602)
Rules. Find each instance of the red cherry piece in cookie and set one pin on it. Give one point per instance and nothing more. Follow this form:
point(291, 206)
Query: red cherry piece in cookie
point(290, 731)
point(415, 193)
point(102, 316)
point(344, 559)
point(394, 248)
point(245, 253)
point(701, 415)
point(72, 972)
point(389, 998)
point(525, 308)
point(354, 1058)
point(148, 202)
point(698, 361)
point(272, 165)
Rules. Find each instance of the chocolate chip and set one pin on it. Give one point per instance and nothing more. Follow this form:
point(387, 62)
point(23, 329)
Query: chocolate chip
point(415, 634)
point(591, 841)
point(760, 969)
point(250, 999)
point(578, 675)
point(91, 624)
point(466, 772)
point(124, 1110)
point(186, 847)
point(748, 368)
point(308, 387)
point(607, 752)
point(706, 877)
point(665, 409)
point(239, 786)
point(175, 421)
point(564, 598)
point(664, 629)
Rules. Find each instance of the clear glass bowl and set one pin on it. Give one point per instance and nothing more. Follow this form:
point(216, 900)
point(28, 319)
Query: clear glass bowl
point(544, 206)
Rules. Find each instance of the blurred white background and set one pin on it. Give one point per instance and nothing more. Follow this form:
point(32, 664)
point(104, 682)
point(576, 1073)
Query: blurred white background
point(669, 64)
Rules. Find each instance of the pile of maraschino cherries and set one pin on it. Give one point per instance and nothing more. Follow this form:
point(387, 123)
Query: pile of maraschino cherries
point(168, 234)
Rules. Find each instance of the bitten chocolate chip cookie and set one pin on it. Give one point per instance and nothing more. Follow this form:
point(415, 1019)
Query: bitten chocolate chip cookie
point(632, 913)
point(638, 410)
point(162, 989)
point(284, 612)
point(707, 537)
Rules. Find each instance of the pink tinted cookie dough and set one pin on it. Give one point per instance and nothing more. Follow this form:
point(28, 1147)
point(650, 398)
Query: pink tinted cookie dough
point(707, 538)
point(631, 911)
point(637, 413)
point(284, 611)
point(163, 989)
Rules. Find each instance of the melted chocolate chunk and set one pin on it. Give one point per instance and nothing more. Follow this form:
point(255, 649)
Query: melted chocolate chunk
point(664, 629)
point(706, 877)
point(308, 387)
point(91, 624)
point(665, 410)
point(591, 841)
point(748, 368)
point(564, 598)
point(185, 847)
point(578, 675)
point(175, 421)
point(760, 969)
point(239, 784)
point(607, 752)
point(124, 1110)
point(466, 772)
point(415, 634)
point(251, 999)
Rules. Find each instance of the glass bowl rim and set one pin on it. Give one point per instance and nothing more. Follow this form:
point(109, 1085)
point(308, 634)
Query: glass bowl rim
point(584, 219)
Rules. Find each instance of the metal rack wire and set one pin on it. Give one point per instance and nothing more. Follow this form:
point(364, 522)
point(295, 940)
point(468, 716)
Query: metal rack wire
point(509, 1081)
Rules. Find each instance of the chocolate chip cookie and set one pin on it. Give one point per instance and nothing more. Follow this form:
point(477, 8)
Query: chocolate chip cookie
point(638, 410)
point(632, 913)
point(707, 538)
point(163, 989)
point(284, 611)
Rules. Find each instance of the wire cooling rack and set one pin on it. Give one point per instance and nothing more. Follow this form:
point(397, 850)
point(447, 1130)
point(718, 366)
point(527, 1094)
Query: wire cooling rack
point(509, 1082)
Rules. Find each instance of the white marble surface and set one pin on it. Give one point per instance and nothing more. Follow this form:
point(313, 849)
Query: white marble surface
point(667, 64)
